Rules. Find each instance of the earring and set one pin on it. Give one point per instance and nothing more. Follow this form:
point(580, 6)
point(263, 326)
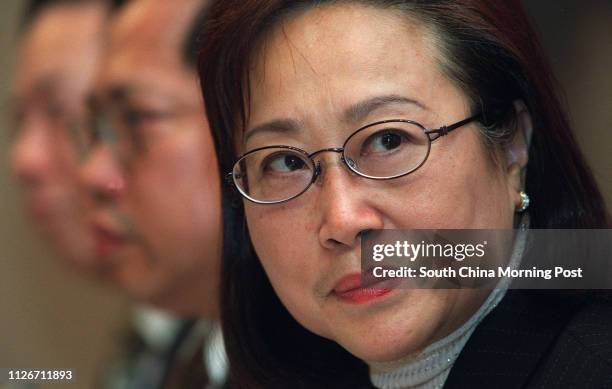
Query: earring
point(524, 202)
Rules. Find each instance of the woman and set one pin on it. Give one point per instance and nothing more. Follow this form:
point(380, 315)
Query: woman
point(339, 117)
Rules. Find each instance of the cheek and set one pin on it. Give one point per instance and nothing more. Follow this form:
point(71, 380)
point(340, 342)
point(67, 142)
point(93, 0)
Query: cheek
point(286, 245)
point(458, 187)
point(174, 190)
point(67, 164)
point(278, 236)
point(66, 154)
point(61, 168)
point(36, 153)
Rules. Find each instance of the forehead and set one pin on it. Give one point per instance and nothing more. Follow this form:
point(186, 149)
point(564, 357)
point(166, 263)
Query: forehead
point(340, 53)
point(355, 26)
point(148, 37)
point(62, 43)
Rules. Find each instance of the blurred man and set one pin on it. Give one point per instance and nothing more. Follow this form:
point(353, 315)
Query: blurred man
point(151, 175)
point(58, 57)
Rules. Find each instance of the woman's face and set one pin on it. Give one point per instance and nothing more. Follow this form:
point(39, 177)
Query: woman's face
point(319, 77)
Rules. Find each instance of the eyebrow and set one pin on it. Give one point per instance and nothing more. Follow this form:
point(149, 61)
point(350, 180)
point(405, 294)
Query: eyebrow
point(91, 102)
point(116, 94)
point(48, 85)
point(354, 113)
point(278, 126)
point(44, 89)
point(120, 93)
point(361, 110)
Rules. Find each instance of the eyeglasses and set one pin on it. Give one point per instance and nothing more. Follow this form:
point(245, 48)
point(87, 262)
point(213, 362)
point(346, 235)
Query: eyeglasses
point(130, 133)
point(95, 130)
point(60, 123)
point(382, 150)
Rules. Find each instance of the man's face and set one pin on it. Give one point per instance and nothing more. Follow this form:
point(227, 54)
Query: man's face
point(57, 61)
point(155, 186)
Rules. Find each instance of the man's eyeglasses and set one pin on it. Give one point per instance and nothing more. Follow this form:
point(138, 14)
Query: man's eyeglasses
point(129, 133)
point(382, 150)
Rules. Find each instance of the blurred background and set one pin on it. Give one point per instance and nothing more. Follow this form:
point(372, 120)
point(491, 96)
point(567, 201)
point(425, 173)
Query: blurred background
point(52, 318)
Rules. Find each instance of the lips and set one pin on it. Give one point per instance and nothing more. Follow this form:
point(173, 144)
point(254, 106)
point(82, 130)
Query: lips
point(107, 240)
point(359, 289)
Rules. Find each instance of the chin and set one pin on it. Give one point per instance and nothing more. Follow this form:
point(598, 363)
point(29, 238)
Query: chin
point(384, 345)
point(135, 280)
point(398, 331)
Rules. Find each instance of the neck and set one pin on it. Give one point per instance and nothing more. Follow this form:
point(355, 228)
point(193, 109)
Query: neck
point(199, 301)
point(429, 368)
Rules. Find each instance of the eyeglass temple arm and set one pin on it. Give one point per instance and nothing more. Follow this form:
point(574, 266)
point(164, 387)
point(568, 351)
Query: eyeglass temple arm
point(229, 179)
point(446, 129)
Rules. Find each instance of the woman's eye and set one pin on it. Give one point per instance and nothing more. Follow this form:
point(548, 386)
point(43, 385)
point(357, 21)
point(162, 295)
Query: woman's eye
point(283, 163)
point(384, 141)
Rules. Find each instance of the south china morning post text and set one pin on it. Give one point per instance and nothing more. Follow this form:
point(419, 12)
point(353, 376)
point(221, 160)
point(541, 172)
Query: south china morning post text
point(539, 259)
point(458, 252)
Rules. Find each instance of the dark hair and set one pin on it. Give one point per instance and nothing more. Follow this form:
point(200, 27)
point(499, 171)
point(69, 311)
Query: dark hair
point(491, 52)
point(34, 7)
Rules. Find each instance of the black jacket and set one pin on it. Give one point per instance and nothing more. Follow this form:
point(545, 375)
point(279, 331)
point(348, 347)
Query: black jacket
point(539, 340)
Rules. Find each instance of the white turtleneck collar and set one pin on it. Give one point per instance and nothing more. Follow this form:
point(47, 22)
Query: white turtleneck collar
point(430, 368)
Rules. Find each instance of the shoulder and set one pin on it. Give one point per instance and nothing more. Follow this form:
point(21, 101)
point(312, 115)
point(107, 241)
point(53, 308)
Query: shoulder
point(591, 329)
point(539, 339)
point(581, 356)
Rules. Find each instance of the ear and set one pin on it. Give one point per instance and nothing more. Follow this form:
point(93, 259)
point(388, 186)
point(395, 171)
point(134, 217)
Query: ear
point(517, 151)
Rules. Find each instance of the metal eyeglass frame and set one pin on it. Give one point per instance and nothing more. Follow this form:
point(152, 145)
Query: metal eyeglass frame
point(432, 135)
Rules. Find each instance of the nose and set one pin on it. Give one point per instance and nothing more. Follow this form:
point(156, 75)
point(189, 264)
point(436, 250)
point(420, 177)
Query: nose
point(347, 207)
point(31, 155)
point(102, 176)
